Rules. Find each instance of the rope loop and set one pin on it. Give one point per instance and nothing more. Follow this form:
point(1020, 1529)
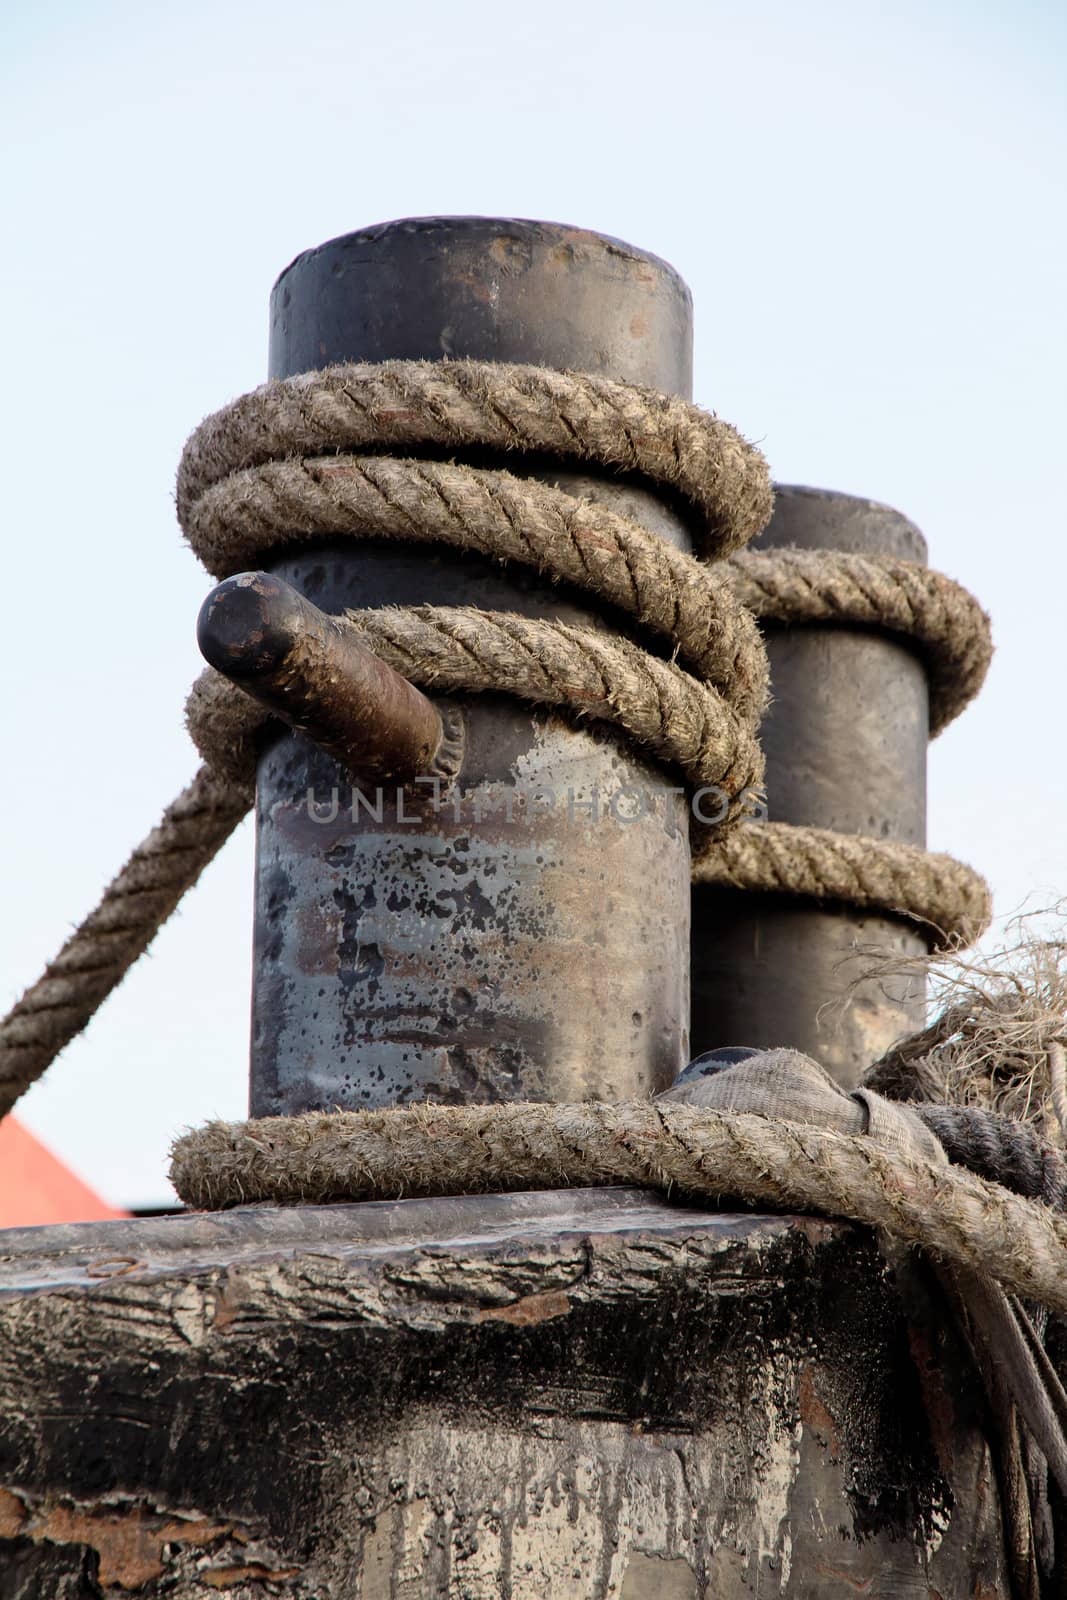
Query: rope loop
point(686, 1149)
point(404, 406)
point(328, 454)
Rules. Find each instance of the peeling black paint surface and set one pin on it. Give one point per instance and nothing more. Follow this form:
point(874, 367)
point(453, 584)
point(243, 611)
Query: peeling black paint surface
point(264, 1365)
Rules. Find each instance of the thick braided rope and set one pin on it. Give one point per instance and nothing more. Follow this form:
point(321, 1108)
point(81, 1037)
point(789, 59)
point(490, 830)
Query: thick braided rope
point(239, 519)
point(236, 522)
point(948, 899)
point(600, 676)
point(445, 406)
point(1003, 1149)
point(400, 406)
point(234, 501)
point(227, 472)
point(245, 510)
point(96, 956)
point(944, 621)
point(437, 1150)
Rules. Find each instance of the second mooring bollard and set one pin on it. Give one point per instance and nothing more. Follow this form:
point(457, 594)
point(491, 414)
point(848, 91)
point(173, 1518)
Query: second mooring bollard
point(845, 740)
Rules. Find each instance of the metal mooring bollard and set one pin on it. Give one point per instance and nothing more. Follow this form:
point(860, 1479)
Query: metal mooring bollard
point(511, 935)
point(845, 741)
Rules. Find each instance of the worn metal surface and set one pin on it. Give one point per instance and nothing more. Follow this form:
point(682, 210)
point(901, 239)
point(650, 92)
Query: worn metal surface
point(845, 740)
point(578, 1395)
point(525, 935)
point(301, 666)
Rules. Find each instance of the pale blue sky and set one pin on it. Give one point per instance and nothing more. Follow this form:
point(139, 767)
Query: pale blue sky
point(867, 202)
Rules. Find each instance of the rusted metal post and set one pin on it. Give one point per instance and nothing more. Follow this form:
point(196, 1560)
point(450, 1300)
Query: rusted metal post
point(514, 937)
point(845, 741)
point(303, 667)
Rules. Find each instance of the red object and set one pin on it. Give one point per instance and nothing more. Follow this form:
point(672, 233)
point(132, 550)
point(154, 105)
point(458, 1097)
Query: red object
point(36, 1187)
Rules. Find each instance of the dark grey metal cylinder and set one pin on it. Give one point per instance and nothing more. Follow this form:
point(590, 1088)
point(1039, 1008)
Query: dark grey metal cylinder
point(498, 941)
point(845, 741)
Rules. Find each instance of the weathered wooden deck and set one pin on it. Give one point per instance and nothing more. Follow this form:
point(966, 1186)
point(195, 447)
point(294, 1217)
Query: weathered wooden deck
point(582, 1393)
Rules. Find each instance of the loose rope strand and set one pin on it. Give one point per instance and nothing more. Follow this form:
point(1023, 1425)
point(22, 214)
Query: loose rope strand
point(100, 952)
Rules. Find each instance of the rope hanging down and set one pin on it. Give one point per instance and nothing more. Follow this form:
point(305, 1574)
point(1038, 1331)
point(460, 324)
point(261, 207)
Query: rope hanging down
point(284, 464)
point(99, 953)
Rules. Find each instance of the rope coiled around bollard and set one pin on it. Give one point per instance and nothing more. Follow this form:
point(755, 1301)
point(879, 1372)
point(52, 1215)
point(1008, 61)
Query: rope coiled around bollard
point(326, 455)
point(519, 410)
point(946, 899)
point(689, 1150)
point(237, 504)
point(315, 456)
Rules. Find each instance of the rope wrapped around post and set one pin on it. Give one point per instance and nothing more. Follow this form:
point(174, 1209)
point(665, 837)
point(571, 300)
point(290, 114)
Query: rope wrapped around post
point(241, 495)
point(316, 456)
point(690, 1150)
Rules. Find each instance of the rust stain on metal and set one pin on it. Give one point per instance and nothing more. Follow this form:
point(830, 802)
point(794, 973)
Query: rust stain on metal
point(12, 1514)
point(511, 252)
point(228, 1301)
point(319, 931)
point(478, 288)
point(433, 956)
point(937, 1400)
point(860, 1585)
point(224, 1577)
point(301, 666)
point(129, 1542)
point(530, 1310)
point(113, 1267)
point(815, 1415)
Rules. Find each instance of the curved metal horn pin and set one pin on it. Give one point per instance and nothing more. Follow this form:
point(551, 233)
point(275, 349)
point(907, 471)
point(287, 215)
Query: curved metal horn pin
point(308, 669)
